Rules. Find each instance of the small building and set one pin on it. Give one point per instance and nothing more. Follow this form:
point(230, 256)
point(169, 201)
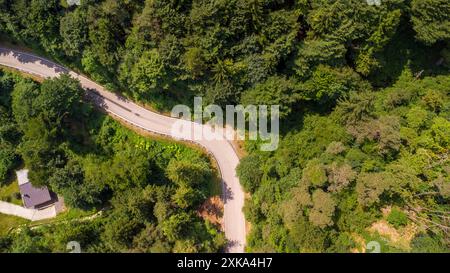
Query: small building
point(32, 197)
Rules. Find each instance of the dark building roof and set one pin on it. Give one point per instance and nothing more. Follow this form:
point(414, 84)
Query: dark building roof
point(32, 196)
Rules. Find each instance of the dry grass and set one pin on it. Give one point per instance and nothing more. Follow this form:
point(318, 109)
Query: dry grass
point(360, 241)
point(399, 238)
point(239, 148)
point(212, 210)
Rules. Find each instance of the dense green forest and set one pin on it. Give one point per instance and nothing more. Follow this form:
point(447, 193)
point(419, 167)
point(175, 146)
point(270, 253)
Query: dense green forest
point(229, 51)
point(95, 163)
point(363, 89)
point(332, 175)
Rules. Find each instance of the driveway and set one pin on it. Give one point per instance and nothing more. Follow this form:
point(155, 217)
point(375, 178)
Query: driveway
point(30, 214)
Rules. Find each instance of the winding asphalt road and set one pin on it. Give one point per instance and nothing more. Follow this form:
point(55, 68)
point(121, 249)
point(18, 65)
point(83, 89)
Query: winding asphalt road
point(221, 149)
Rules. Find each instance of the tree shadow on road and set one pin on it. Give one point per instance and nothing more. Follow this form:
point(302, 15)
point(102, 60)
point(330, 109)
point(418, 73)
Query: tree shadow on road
point(227, 194)
point(28, 58)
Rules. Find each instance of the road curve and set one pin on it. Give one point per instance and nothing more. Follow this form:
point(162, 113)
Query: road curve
point(221, 149)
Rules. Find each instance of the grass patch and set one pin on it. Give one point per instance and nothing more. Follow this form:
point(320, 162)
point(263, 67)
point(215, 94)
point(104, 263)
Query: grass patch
point(10, 193)
point(70, 214)
point(7, 222)
point(397, 218)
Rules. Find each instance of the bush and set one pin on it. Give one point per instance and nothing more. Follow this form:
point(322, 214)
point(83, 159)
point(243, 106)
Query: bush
point(397, 218)
point(17, 195)
point(249, 172)
point(425, 243)
point(8, 160)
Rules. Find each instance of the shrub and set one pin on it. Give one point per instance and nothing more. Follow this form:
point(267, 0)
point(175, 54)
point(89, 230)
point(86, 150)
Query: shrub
point(397, 218)
point(249, 172)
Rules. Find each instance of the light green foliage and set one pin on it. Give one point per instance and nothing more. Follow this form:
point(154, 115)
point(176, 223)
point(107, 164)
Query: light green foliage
point(188, 172)
point(297, 148)
point(28, 242)
point(176, 225)
point(129, 168)
point(352, 216)
point(426, 243)
point(397, 218)
point(313, 240)
point(249, 172)
point(433, 99)
point(335, 148)
point(146, 75)
point(313, 51)
point(440, 130)
point(185, 197)
point(327, 84)
point(392, 151)
point(22, 98)
point(314, 174)
point(417, 117)
point(443, 186)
